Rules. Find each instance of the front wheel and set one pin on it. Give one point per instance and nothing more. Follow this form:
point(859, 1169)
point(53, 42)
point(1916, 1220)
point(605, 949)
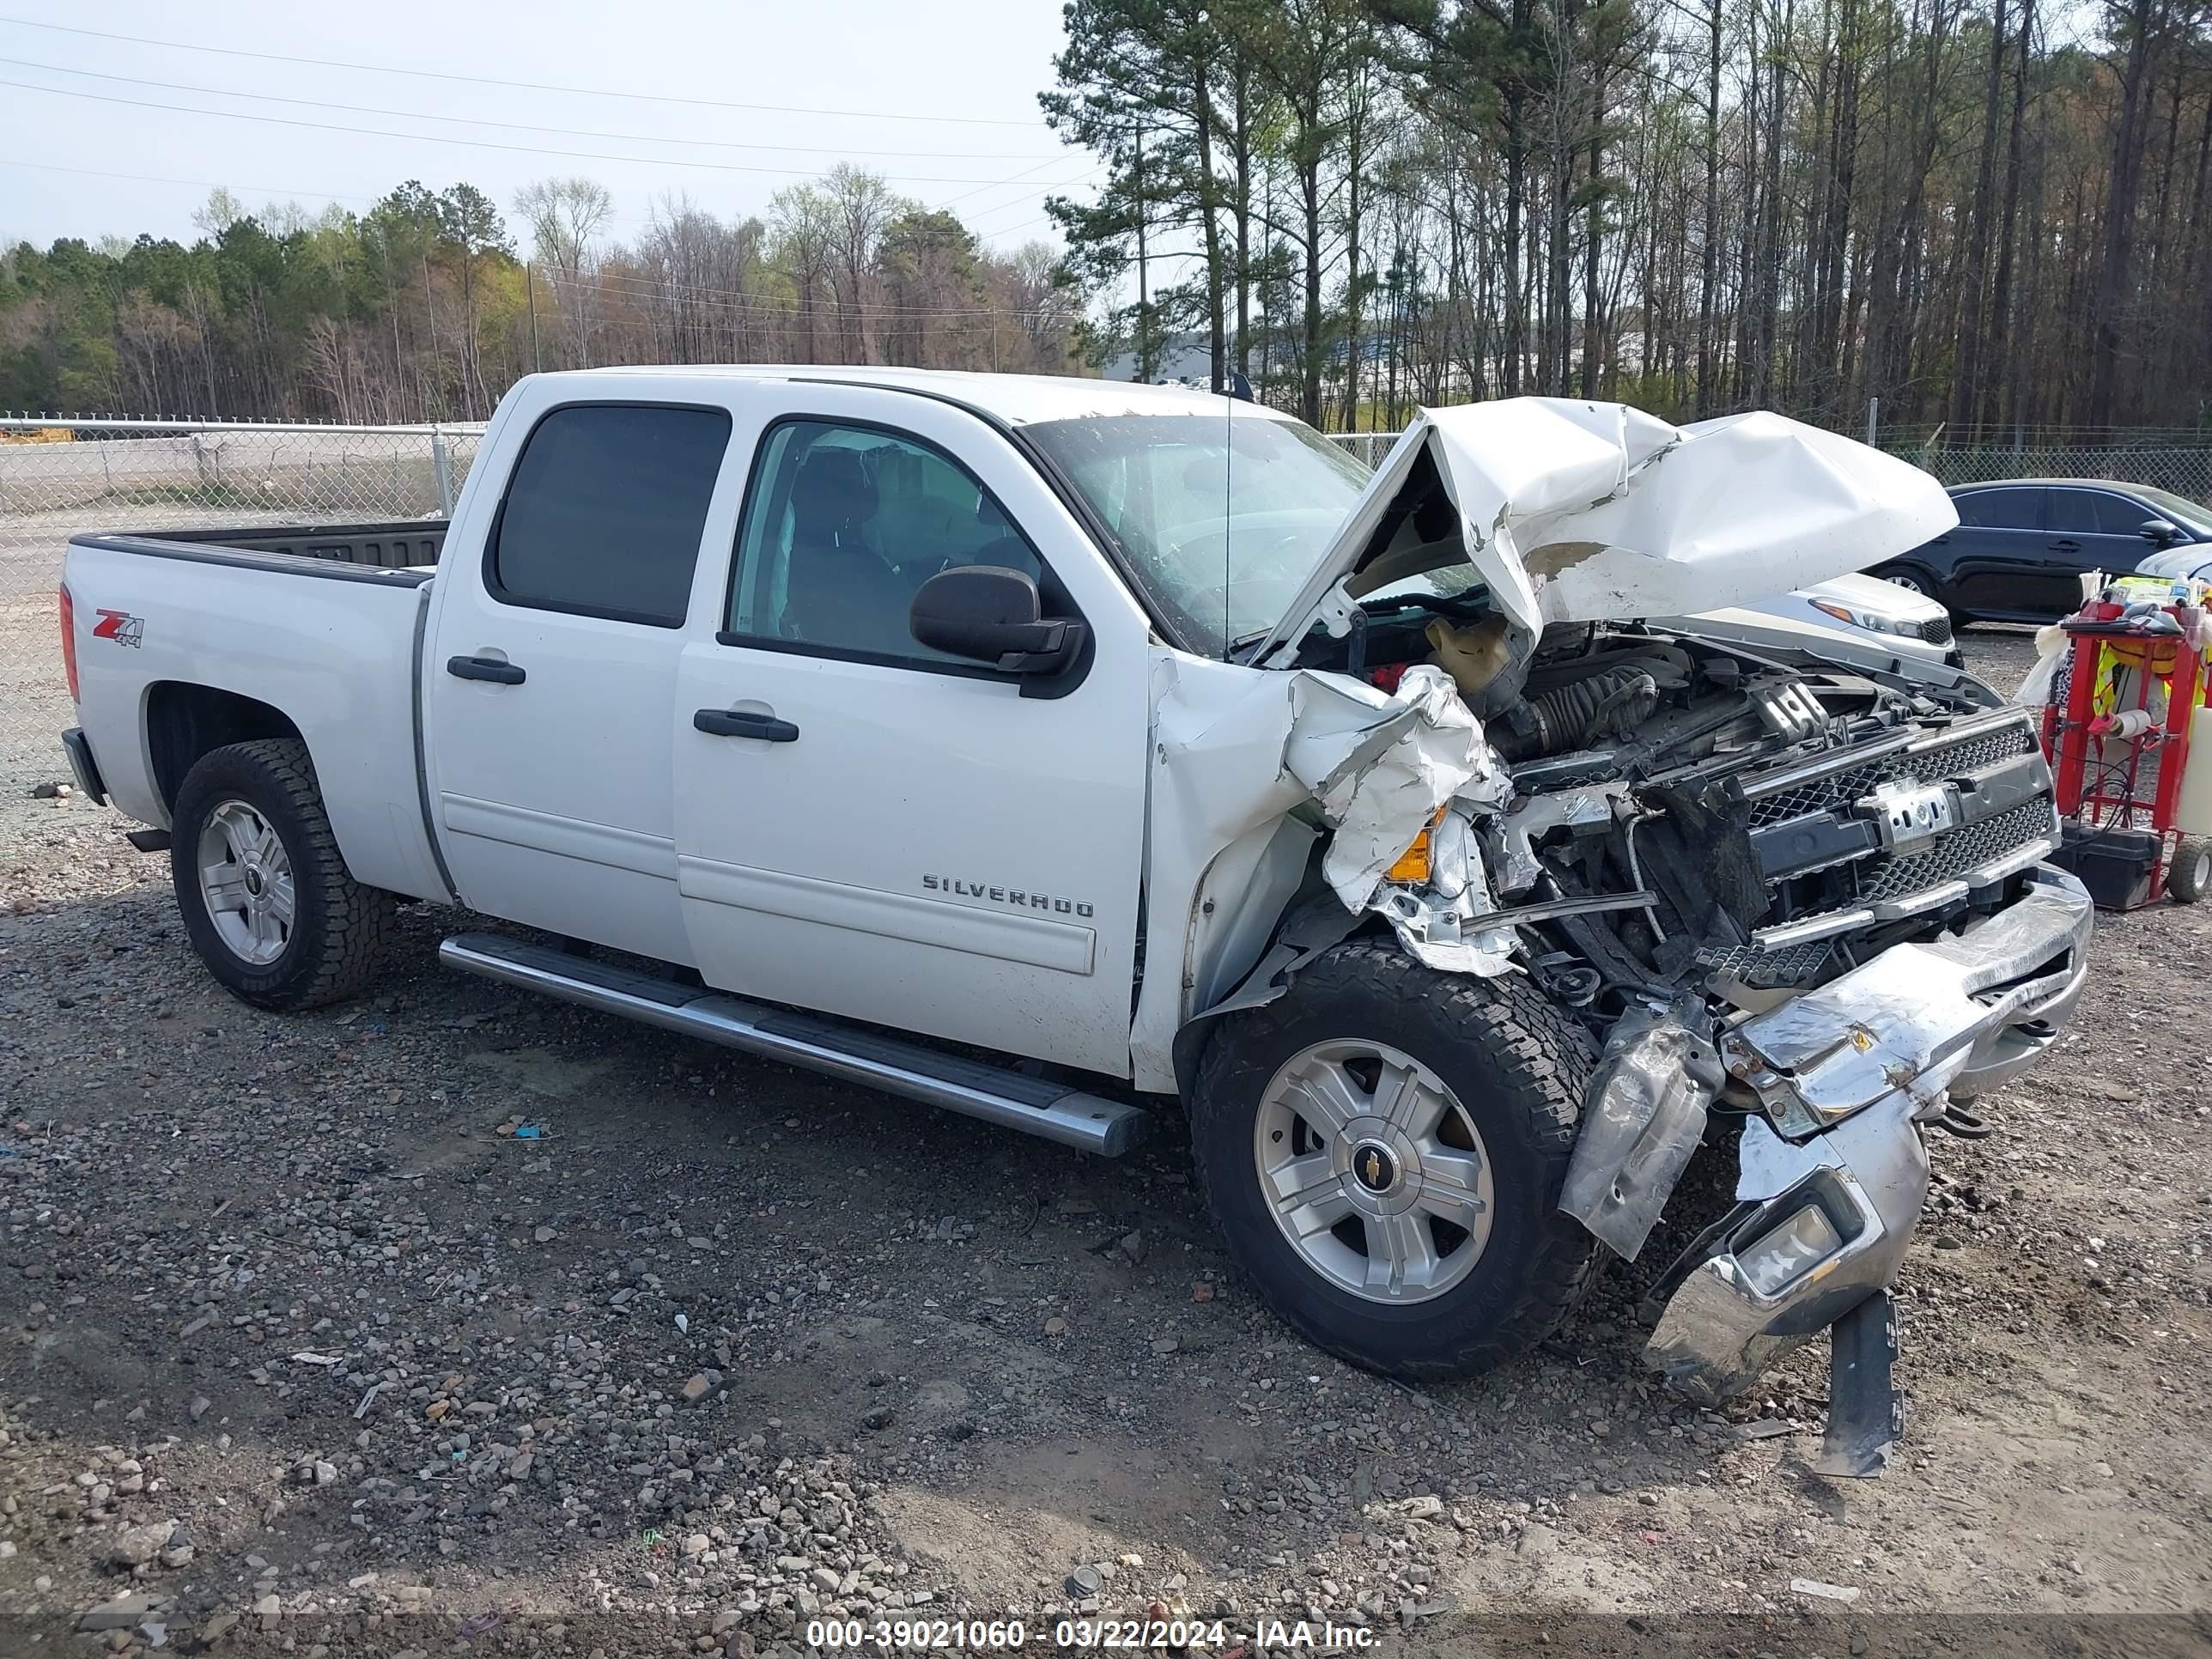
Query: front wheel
point(1911, 580)
point(266, 898)
point(1384, 1146)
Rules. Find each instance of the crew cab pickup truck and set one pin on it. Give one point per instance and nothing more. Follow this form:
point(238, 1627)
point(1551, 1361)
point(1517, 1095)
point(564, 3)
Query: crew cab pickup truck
point(1077, 755)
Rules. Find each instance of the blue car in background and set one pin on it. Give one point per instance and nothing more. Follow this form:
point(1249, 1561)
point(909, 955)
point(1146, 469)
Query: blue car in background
point(2022, 545)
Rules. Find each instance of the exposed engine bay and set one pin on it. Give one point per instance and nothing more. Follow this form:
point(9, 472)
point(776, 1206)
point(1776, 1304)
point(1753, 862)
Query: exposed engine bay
point(1682, 813)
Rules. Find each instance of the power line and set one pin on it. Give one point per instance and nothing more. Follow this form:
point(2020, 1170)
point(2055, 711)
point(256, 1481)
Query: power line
point(198, 183)
point(523, 85)
point(478, 144)
point(272, 191)
point(1048, 184)
point(1029, 224)
point(523, 127)
point(1015, 204)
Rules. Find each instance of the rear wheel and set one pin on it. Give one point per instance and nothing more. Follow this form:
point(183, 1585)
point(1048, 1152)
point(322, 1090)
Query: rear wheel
point(265, 896)
point(1384, 1147)
point(2190, 878)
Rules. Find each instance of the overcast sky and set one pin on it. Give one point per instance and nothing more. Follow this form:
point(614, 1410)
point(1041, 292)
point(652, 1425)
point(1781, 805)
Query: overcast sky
point(878, 82)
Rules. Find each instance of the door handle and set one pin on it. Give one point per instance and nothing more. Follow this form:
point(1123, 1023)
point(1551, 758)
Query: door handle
point(485, 668)
point(722, 723)
point(2065, 546)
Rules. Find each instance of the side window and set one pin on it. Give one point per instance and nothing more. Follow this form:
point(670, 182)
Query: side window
point(2074, 511)
point(604, 513)
point(843, 524)
point(2001, 509)
point(2118, 516)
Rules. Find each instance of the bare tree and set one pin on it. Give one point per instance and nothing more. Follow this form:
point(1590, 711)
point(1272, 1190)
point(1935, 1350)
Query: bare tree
point(565, 216)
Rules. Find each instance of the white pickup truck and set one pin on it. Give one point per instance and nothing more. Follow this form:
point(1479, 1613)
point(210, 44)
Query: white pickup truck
point(1057, 751)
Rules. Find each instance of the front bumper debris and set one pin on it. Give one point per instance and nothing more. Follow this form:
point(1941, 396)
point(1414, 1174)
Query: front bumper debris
point(1965, 1012)
point(1831, 1184)
point(1642, 1118)
point(1762, 1288)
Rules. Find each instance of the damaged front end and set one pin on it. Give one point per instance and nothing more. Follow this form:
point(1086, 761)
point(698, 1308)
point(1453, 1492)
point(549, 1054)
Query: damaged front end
point(1832, 1172)
point(1797, 899)
point(1785, 962)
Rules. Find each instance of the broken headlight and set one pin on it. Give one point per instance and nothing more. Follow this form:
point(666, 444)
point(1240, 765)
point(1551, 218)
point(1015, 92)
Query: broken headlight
point(1788, 1250)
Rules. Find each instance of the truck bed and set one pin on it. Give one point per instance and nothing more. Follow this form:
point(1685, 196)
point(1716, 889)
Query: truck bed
point(185, 632)
point(345, 550)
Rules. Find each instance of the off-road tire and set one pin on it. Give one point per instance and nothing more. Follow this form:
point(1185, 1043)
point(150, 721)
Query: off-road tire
point(2190, 878)
point(340, 928)
point(1514, 1062)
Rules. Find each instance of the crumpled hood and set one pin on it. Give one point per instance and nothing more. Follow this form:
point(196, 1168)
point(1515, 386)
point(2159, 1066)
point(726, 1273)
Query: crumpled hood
point(1572, 511)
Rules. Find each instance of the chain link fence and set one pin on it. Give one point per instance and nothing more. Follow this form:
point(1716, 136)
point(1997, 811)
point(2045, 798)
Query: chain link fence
point(59, 478)
point(2183, 471)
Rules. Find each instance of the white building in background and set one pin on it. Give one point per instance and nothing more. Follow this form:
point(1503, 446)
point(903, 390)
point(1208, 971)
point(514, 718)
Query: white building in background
point(1182, 357)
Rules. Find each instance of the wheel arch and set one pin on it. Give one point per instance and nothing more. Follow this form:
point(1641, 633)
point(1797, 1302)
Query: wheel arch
point(1517, 1063)
point(1931, 584)
point(186, 721)
point(1309, 927)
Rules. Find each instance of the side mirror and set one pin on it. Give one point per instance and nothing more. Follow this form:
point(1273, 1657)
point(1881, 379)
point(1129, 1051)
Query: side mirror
point(990, 614)
point(2158, 532)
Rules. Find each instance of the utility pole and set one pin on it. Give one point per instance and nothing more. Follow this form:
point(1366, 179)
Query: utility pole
point(1145, 369)
point(529, 284)
point(430, 312)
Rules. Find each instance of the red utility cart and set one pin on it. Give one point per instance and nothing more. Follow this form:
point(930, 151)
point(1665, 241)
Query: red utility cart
point(2119, 751)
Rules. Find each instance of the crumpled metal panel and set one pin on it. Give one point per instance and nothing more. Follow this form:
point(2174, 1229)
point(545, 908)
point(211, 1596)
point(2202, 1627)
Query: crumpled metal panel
point(1576, 510)
point(1380, 766)
point(1909, 1020)
point(1642, 1117)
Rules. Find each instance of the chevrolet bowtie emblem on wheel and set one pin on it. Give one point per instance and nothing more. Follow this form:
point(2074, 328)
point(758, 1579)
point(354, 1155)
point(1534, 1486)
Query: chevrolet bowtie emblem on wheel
point(1375, 1168)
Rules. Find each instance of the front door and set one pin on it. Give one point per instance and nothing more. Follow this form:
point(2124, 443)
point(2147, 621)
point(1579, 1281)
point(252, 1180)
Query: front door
point(872, 829)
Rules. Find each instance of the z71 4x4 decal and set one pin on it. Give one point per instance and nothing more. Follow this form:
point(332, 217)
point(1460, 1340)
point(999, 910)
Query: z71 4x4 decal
point(121, 627)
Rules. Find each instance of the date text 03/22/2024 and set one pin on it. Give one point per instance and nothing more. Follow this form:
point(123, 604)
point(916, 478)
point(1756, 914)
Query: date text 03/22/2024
point(920, 1635)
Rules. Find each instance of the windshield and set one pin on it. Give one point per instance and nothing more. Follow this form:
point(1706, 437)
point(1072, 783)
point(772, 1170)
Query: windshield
point(2179, 508)
point(1223, 518)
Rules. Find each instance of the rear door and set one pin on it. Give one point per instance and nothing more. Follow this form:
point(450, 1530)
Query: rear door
point(2000, 566)
point(548, 683)
point(869, 828)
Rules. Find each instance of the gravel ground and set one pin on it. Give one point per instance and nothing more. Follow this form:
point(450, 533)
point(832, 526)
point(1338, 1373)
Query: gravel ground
point(450, 1321)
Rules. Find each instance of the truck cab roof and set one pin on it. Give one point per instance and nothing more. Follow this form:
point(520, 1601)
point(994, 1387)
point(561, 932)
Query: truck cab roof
point(1016, 399)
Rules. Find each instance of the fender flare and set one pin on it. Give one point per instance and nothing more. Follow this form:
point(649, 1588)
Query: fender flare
point(1311, 925)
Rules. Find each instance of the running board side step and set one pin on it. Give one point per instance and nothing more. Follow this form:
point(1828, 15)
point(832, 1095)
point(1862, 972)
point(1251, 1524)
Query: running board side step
point(1013, 1099)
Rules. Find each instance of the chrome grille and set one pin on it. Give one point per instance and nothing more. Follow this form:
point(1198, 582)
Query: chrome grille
point(1881, 877)
point(1840, 789)
point(1764, 970)
point(1963, 849)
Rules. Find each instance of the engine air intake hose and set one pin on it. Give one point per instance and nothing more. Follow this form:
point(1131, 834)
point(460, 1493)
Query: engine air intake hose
point(1609, 703)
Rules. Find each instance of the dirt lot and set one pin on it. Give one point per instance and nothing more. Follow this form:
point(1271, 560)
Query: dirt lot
point(304, 1341)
